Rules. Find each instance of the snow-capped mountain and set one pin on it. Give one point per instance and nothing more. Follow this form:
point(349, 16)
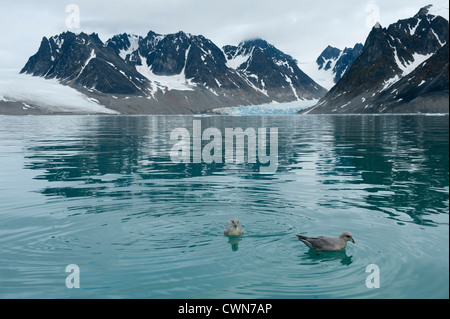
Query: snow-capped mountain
point(174, 73)
point(337, 61)
point(83, 60)
point(390, 55)
point(331, 65)
point(271, 72)
point(179, 62)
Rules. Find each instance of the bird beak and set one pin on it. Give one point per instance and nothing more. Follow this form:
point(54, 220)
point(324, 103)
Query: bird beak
point(353, 241)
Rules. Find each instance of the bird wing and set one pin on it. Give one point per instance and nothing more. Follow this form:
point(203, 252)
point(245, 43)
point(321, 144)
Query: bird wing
point(308, 241)
point(321, 242)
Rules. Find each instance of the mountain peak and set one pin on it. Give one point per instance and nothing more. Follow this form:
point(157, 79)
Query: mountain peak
point(182, 34)
point(333, 63)
point(327, 54)
point(257, 42)
point(424, 11)
point(152, 34)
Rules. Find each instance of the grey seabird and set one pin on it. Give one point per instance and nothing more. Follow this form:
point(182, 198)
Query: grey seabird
point(325, 243)
point(234, 228)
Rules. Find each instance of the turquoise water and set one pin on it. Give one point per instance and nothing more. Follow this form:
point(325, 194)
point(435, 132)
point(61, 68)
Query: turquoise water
point(101, 192)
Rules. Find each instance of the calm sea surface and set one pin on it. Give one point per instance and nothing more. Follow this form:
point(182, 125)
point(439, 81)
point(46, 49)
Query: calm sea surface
point(102, 192)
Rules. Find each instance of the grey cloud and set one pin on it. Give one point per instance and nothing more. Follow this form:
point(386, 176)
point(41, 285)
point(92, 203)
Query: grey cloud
point(300, 28)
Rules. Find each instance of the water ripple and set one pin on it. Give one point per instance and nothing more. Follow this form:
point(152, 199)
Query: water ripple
point(101, 192)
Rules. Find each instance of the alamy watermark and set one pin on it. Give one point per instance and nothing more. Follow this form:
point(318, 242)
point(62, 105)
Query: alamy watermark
point(374, 15)
point(73, 18)
point(73, 279)
point(373, 279)
point(188, 147)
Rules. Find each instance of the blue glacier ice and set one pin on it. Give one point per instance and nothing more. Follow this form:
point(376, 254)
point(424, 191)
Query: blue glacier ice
point(269, 109)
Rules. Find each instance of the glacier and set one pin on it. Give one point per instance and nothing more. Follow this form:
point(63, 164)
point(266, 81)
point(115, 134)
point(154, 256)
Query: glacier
point(47, 94)
point(273, 108)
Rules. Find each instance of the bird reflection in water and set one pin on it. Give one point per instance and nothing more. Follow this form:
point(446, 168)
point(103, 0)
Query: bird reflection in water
point(234, 242)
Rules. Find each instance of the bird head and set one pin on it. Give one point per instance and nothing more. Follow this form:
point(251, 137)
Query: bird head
point(235, 222)
point(347, 236)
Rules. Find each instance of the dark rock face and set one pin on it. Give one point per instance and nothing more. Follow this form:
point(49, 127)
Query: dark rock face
point(424, 90)
point(389, 55)
point(349, 56)
point(325, 59)
point(271, 71)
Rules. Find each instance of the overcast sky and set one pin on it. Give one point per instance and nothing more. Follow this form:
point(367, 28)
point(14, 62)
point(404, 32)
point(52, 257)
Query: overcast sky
point(300, 28)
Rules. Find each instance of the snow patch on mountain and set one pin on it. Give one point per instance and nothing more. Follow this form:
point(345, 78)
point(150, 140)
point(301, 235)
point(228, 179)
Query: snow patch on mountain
point(405, 67)
point(324, 78)
point(288, 80)
point(412, 30)
point(237, 61)
point(166, 82)
point(134, 45)
point(92, 56)
point(418, 59)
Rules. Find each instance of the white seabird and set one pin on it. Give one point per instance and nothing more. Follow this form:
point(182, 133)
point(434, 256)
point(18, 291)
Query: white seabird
point(234, 228)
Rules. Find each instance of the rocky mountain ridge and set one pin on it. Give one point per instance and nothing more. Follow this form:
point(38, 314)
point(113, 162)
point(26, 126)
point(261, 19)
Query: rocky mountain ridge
point(394, 58)
point(174, 73)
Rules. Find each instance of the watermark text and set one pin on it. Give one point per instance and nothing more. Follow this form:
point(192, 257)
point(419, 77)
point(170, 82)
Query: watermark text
point(262, 146)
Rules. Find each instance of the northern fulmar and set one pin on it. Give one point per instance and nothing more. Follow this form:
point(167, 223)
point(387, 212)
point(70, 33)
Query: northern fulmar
point(325, 243)
point(234, 228)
